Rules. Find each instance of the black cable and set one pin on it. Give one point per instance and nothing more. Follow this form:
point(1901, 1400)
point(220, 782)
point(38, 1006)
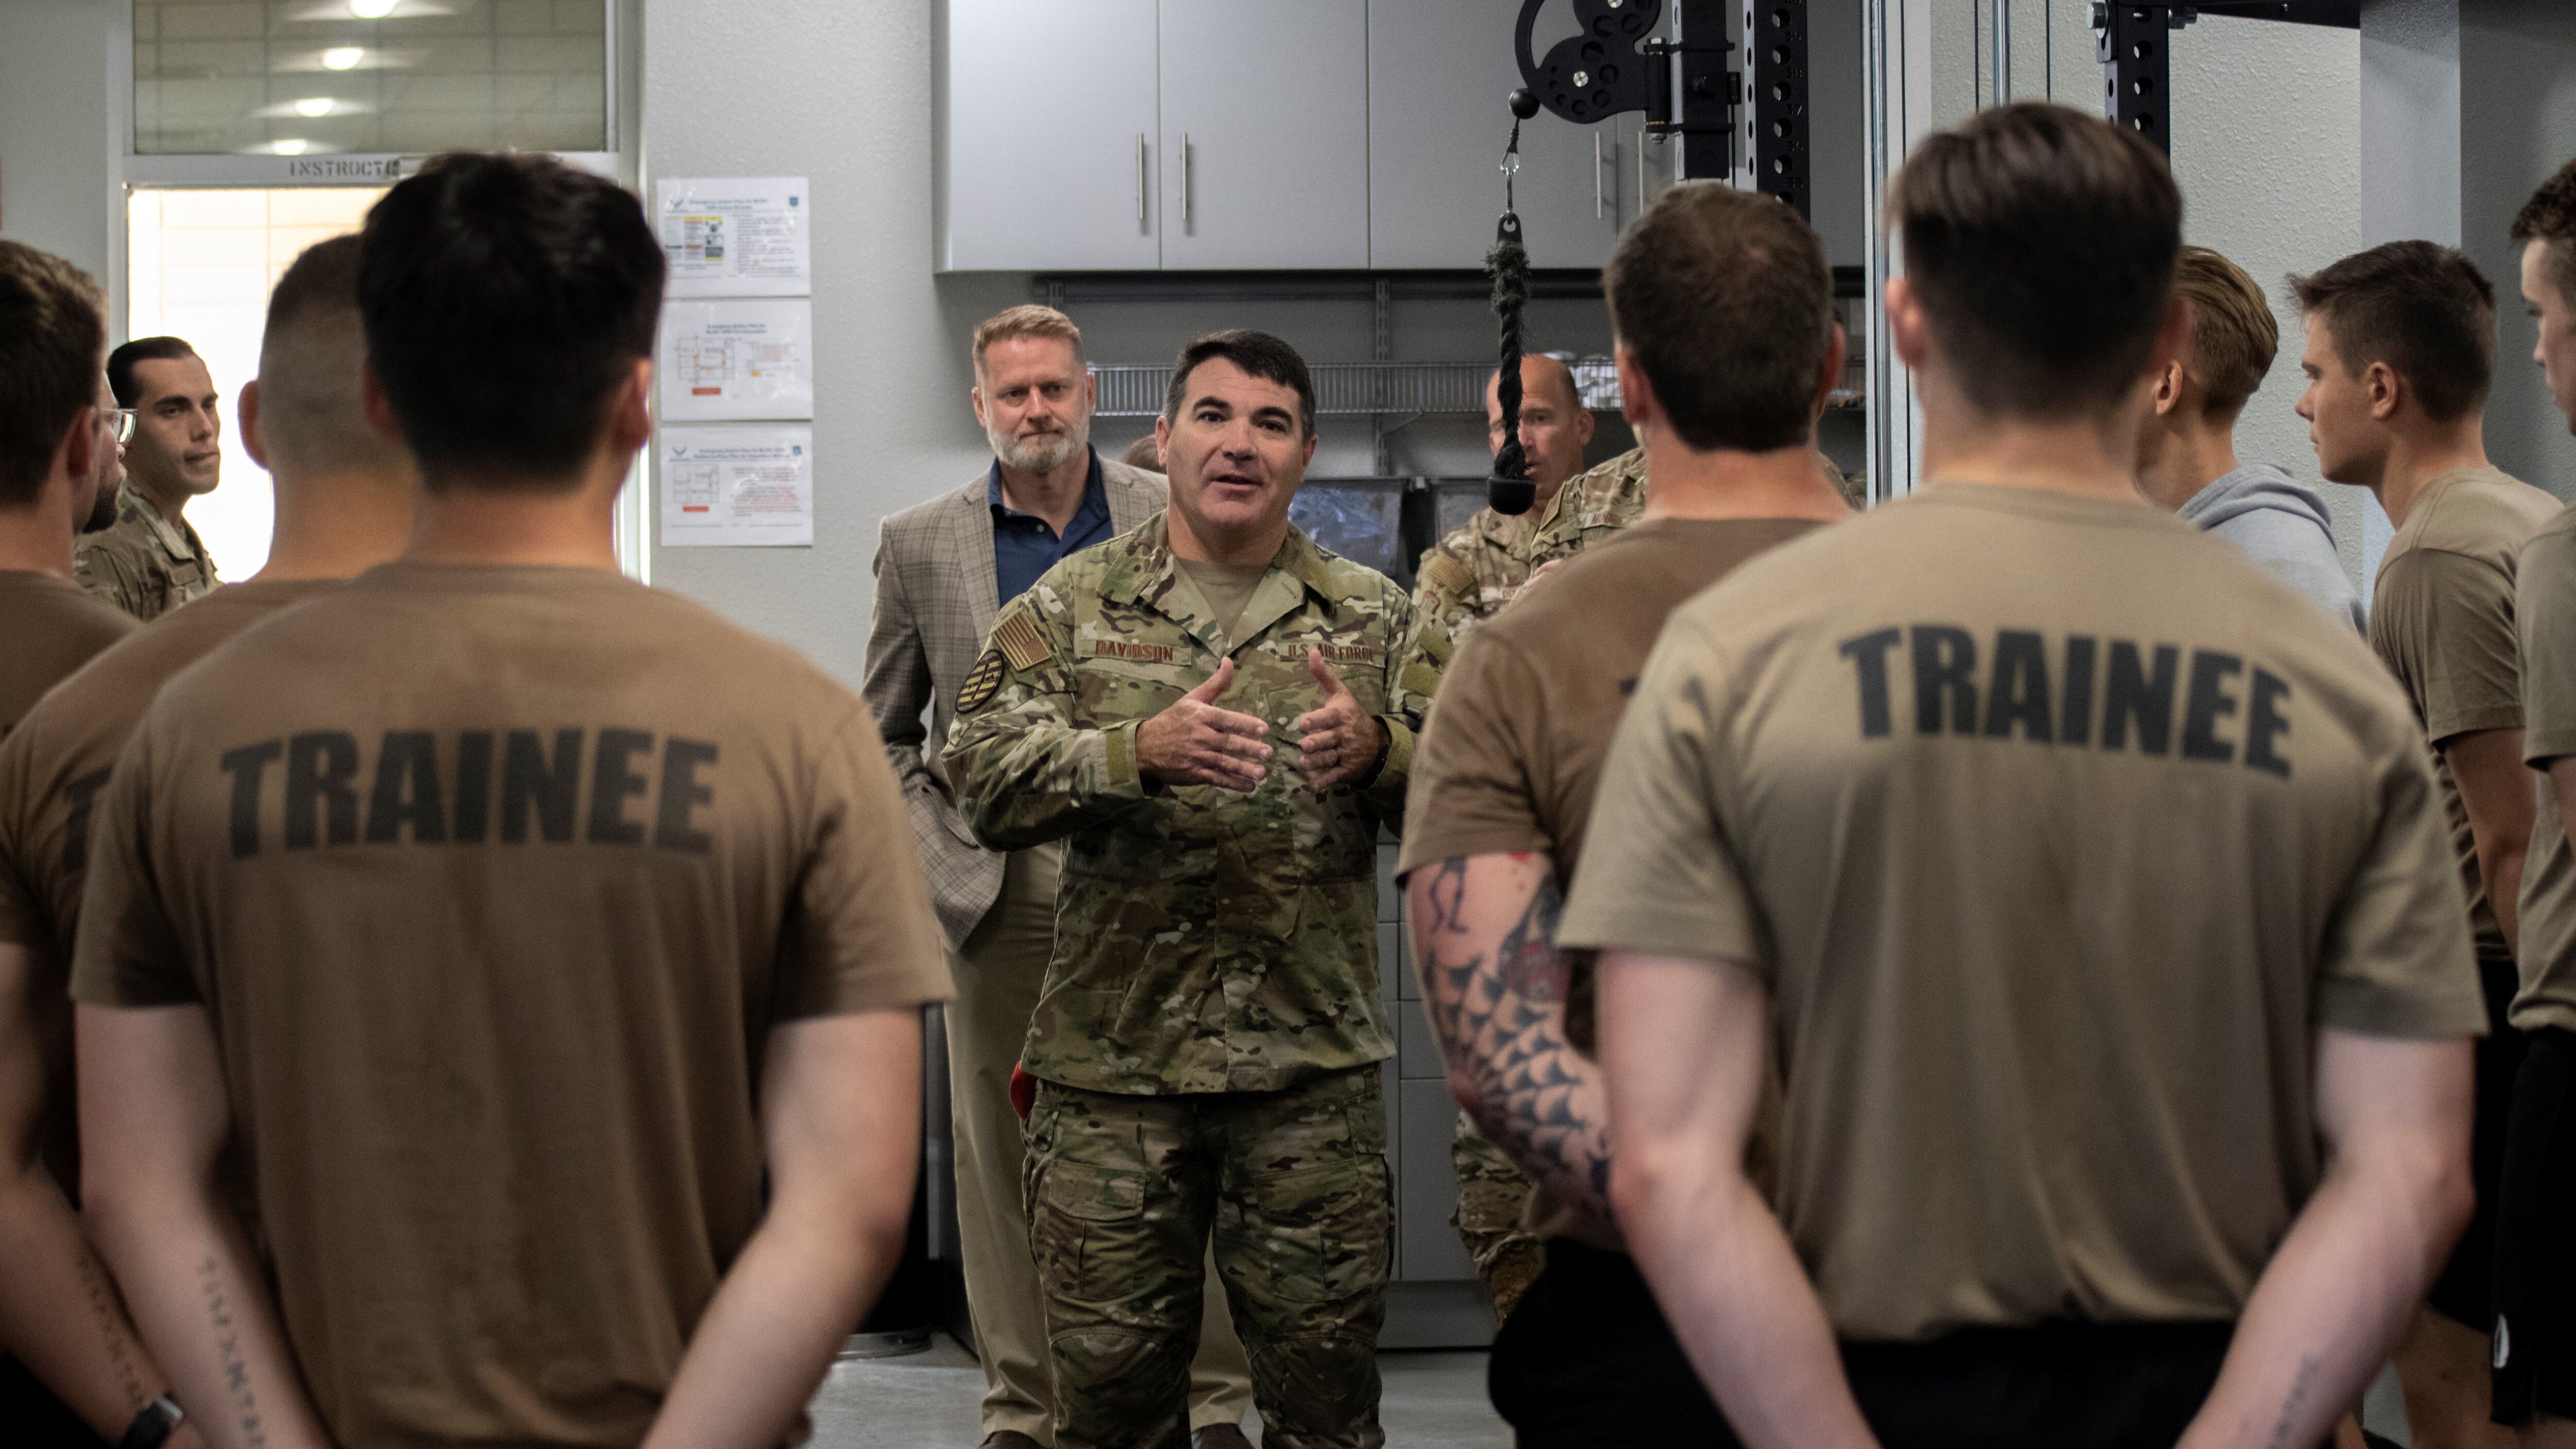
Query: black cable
point(1509, 490)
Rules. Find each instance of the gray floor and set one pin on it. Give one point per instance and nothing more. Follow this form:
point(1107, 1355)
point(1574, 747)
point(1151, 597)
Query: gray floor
point(927, 1401)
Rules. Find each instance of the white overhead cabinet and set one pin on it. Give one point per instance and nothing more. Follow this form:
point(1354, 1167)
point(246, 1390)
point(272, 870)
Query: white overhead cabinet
point(1265, 134)
point(1051, 128)
point(1244, 135)
point(1439, 74)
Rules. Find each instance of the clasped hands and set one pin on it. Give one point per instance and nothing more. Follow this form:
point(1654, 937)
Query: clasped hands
point(1197, 742)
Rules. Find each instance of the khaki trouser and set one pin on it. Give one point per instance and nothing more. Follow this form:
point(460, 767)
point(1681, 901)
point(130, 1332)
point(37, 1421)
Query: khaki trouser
point(1126, 1193)
point(998, 975)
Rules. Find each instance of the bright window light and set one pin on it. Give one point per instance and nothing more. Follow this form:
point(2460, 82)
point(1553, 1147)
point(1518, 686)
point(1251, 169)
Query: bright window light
point(313, 106)
point(372, 9)
point(343, 57)
point(290, 146)
point(201, 262)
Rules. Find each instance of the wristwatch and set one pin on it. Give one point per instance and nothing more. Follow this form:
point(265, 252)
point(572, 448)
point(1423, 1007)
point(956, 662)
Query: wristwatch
point(152, 1427)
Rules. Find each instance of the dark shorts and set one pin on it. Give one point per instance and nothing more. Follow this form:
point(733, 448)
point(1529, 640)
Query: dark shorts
point(32, 1418)
point(2535, 1250)
point(1587, 1360)
point(2465, 1291)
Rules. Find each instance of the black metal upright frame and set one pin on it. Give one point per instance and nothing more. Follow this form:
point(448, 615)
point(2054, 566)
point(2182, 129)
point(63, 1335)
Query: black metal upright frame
point(2133, 41)
point(1775, 60)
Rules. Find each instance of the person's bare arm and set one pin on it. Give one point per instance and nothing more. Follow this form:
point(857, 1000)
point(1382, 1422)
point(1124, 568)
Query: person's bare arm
point(60, 1313)
point(2496, 786)
point(841, 1119)
point(154, 1116)
point(1685, 1046)
point(1484, 935)
point(2394, 1117)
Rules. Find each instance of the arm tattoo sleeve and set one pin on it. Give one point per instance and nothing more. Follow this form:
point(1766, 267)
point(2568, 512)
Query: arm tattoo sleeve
point(1498, 1007)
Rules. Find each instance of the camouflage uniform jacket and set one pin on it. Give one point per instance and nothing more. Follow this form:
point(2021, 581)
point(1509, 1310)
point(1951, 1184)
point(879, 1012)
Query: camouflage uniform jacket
point(1206, 941)
point(140, 563)
point(1473, 572)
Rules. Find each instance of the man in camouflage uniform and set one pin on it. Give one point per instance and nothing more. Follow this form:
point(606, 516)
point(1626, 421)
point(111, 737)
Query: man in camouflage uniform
point(1215, 715)
point(150, 560)
point(1464, 580)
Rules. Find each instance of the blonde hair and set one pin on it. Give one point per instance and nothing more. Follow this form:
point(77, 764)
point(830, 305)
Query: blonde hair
point(1028, 320)
point(2233, 335)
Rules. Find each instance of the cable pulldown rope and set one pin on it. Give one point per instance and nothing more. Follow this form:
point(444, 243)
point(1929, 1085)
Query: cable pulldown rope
point(1509, 490)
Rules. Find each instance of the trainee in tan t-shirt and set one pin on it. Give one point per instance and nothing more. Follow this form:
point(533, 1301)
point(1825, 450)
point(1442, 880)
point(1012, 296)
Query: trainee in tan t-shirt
point(493, 882)
point(2441, 619)
point(52, 767)
point(2056, 829)
point(1525, 713)
point(2545, 621)
point(48, 628)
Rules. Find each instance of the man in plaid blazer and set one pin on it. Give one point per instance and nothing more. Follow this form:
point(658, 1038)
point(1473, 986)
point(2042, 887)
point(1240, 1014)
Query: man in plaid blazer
point(944, 568)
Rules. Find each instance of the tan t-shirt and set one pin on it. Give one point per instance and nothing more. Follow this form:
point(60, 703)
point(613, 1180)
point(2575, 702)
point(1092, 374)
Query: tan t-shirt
point(2056, 829)
point(48, 628)
point(1228, 589)
point(493, 882)
point(2441, 619)
point(52, 767)
point(1524, 717)
point(2545, 622)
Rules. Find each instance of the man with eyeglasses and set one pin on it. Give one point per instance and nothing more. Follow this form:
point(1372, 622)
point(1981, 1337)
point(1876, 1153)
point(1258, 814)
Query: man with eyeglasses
point(149, 560)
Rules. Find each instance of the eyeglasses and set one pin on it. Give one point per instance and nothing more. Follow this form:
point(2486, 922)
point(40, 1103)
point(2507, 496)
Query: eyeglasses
point(121, 420)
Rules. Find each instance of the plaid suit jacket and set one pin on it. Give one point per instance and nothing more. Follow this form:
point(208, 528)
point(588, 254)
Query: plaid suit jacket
point(936, 598)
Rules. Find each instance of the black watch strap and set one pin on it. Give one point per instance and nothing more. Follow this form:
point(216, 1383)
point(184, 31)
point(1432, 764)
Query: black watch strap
point(152, 1427)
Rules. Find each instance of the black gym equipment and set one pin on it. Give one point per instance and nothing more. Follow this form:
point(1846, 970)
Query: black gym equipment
point(2131, 41)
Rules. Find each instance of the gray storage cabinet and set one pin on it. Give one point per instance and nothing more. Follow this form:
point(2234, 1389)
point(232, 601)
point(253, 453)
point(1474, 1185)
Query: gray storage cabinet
point(1439, 71)
point(1265, 134)
point(1049, 127)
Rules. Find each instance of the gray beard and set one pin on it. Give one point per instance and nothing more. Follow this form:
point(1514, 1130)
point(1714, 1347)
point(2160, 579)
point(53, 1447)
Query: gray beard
point(1040, 454)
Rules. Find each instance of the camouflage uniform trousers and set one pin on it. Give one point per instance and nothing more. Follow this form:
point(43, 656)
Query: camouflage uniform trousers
point(1493, 1197)
point(1124, 1191)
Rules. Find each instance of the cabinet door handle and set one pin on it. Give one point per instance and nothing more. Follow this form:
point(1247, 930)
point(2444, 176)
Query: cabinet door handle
point(1140, 178)
point(1185, 178)
point(1596, 173)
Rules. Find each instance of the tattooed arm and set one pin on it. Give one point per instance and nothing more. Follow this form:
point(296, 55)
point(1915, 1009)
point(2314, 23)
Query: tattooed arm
point(2394, 1116)
point(154, 1116)
point(1484, 938)
point(89, 1355)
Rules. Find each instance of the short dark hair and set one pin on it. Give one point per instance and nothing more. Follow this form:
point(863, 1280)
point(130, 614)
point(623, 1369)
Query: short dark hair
point(53, 327)
point(2549, 218)
point(505, 296)
point(2423, 308)
point(1724, 299)
point(312, 410)
point(2042, 242)
point(120, 364)
point(1257, 353)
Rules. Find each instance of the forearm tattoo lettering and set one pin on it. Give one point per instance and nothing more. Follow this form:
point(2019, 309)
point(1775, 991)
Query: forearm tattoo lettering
point(219, 1313)
point(1501, 1020)
point(107, 1312)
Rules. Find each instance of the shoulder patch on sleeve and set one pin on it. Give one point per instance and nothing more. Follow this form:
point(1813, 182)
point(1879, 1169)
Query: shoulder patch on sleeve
point(1452, 577)
point(982, 682)
point(1021, 641)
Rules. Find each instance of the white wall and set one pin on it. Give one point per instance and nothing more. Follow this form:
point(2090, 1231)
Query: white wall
point(54, 129)
point(838, 92)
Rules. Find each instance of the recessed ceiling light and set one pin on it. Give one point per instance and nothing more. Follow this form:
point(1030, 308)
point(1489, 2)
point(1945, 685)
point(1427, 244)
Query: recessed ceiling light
point(291, 146)
point(313, 106)
point(372, 9)
point(343, 57)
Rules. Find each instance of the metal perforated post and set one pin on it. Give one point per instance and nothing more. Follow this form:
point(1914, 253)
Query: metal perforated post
point(2137, 69)
point(1775, 47)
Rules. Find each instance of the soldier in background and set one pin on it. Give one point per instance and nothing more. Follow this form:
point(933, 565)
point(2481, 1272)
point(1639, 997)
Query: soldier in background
point(1215, 715)
point(1477, 568)
point(151, 560)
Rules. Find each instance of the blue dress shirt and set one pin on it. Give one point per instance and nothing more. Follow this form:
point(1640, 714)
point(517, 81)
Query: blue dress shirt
point(1024, 547)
